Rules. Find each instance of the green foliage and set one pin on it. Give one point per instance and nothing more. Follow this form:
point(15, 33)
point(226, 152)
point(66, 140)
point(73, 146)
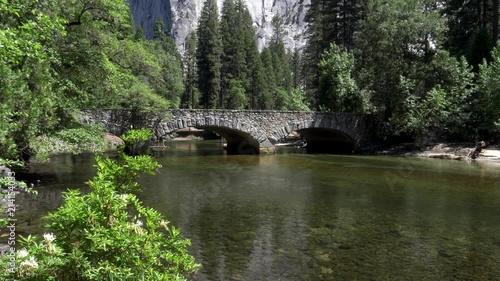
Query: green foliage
point(27, 76)
point(338, 90)
point(191, 95)
point(236, 95)
point(58, 57)
point(472, 29)
point(420, 115)
point(444, 109)
point(487, 110)
point(330, 21)
point(106, 234)
point(281, 67)
point(88, 138)
point(136, 136)
point(480, 47)
point(239, 51)
point(209, 53)
point(136, 142)
point(297, 101)
point(396, 39)
point(269, 79)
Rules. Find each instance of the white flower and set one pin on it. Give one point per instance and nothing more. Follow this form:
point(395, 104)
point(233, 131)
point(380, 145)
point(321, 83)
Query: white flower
point(22, 254)
point(124, 198)
point(28, 265)
point(137, 227)
point(49, 237)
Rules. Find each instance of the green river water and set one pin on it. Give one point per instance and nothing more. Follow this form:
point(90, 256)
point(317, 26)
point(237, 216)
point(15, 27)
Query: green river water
point(296, 216)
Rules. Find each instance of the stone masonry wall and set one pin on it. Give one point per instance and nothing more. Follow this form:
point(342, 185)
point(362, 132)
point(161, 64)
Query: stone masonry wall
point(267, 127)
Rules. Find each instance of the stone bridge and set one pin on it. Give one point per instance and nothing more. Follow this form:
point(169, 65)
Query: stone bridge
point(247, 131)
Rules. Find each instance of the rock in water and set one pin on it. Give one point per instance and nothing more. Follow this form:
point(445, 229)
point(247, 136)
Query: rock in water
point(181, 17)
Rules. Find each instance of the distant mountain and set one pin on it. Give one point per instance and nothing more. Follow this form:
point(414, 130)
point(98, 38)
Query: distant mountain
point(181, 17)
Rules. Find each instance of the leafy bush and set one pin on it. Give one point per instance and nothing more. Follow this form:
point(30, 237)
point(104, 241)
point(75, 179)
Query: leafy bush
point(74, 140)
point(107, 234)
point(137, 141)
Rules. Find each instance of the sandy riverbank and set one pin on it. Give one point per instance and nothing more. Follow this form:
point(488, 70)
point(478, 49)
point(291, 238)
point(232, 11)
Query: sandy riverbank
point(452, 151)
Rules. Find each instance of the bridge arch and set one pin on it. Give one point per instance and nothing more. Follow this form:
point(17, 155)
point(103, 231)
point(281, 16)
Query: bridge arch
point(238, 140)
point(326, 140)
point(247, 131)
point(321, 135)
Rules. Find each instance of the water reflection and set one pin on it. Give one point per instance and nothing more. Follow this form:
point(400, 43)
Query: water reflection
point(321, 217)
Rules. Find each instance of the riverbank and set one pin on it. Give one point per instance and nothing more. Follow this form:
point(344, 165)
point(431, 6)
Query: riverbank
point(451, 151)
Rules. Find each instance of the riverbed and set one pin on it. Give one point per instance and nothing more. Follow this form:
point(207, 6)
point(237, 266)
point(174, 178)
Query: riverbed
point(294, 216)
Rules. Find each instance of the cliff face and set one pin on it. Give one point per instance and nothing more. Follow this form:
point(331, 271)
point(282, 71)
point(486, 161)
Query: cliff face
point(146, 13)
point(181, 16)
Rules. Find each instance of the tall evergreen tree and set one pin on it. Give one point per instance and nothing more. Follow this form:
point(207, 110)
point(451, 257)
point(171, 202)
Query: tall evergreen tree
point(230, 62)
point(338, 90)
point(269, 78)
point(169, 83)
point(258, 92)
point(209, 55)
point(391, 56)
point(296, 66)
point(472, 28)
point(239, 47)
point(282, 72)
point(330, 21)
point(190, 97)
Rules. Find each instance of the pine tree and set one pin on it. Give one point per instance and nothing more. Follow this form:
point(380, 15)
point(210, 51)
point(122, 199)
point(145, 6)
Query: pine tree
point(209, 55)
point(170, 84)
point(269, 78)
point(248, 42)
point(230, 67)
point(330, 21)
point(282, 72)
point(472, 28)
point(391, 56)
point(190, 97)
point(239, 46)
point(296, 66)
point(258, 92)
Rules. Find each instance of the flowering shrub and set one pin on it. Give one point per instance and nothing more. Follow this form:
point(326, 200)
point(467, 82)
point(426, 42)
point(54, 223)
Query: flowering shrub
point(106, 234)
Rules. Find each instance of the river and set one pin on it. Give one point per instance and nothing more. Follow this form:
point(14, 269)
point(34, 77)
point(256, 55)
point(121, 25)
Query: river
point(295, 216)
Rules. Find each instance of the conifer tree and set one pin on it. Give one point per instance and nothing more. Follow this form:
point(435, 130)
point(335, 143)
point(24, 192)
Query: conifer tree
point(472, 28)
point(282, 73)
point(232, 58)
point(238, 59)
point(330, 21)
point(209, 55)
point(258, 92)
point(190, 97)
point(269, 78)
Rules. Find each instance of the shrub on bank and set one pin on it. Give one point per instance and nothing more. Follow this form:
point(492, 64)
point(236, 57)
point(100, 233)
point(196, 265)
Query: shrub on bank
point(106, 234)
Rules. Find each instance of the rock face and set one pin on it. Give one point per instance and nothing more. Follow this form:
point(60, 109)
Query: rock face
point(146, 13)
point(182, 17)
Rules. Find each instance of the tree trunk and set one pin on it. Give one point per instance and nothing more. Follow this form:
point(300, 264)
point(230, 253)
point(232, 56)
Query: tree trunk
point(495, 22)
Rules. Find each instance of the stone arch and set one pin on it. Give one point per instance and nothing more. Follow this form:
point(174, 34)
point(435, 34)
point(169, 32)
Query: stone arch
point(320, 136)
point(238, 140)
point(327, 140)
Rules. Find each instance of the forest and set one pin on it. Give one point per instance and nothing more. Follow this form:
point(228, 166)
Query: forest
point(428, 69)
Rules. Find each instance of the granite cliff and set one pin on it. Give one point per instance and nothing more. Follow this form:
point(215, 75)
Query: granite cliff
point(181, 17)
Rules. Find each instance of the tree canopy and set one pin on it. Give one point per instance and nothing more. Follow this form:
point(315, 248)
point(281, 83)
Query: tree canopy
point(395, 58)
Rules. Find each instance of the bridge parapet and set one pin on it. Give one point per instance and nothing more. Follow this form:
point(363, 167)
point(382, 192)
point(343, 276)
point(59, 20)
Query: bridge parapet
point(257, 129)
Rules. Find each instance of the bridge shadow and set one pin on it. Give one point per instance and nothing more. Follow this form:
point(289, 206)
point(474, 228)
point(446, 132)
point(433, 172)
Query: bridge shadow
point(322, 140)
point(238, 142)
